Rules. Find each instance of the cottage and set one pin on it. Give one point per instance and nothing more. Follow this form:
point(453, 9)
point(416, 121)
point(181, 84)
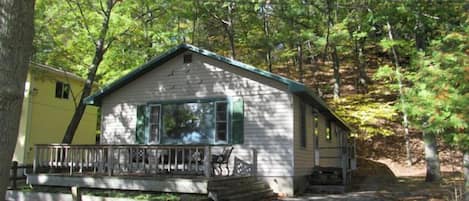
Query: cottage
point(190, 97)
point(48, 105)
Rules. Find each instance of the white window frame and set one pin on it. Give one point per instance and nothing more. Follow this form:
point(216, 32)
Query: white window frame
point(215, 138)
point(150, 123)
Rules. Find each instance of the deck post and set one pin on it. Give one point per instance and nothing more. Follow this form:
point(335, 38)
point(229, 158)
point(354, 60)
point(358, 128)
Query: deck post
point(207, 161)
point(36, 158)
point(76, 193)
point(254, 162)
point(110, 160)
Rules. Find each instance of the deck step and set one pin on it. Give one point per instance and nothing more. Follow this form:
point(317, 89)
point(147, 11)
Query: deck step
point(239, 189)
point(326, 176)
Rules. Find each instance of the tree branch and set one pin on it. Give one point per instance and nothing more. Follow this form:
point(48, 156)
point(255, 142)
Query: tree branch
point(85, 23)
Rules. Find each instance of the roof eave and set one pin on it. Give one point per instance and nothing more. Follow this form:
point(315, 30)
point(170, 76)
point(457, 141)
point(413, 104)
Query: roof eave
point(305, 93)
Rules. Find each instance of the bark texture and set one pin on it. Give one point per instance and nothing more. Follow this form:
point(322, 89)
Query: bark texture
point(16, 36)
point(431, 157)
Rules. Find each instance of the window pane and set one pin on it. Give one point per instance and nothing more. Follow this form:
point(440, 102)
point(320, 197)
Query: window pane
point(154, 131)
point(66, 91)
point(154, 124)
point(221, 111)
point(188, 123)
point(221, 131)
point(58, 89)
point(155, 114)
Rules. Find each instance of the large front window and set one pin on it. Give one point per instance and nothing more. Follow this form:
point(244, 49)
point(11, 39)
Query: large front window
point(188, 123)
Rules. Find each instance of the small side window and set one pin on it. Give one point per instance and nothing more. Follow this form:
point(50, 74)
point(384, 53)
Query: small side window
point(316, 129)
point(62, 90)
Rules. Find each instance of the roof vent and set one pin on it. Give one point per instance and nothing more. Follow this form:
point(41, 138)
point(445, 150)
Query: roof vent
point(188, 58)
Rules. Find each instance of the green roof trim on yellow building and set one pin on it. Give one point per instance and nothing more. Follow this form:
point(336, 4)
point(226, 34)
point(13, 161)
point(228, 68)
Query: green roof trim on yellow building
point(294, 87)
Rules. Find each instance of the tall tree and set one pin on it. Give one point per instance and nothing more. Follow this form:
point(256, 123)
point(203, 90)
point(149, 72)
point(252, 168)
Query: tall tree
point(439, 94)
point(402, 102)
point(16, 36)
point(101, 46)
point(223, 13)
point(335, 57)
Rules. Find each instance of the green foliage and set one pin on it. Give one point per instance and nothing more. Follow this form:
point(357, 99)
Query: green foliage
point(143, 29)
point(439, 95)
point(368, 116)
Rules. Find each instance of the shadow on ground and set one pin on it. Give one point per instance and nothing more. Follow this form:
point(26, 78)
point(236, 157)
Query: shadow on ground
point(374, 181)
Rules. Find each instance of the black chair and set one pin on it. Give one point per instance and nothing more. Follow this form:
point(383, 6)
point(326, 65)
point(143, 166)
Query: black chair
point(139, 155)
point(222, 159)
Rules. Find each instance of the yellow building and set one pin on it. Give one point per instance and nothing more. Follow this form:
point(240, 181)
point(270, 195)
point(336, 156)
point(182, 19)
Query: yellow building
point(49, 102)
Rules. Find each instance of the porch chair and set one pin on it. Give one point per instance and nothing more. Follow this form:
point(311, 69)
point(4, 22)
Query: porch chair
point(222, 159)
point(139, 155)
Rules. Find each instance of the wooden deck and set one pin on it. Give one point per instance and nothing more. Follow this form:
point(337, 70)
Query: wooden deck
point(162, 168)
point(177, 184)
point(124, 160)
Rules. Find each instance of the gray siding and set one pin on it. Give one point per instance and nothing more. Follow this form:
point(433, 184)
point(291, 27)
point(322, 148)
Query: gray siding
point(328, 148)
point(303, 155)
point(268, 125)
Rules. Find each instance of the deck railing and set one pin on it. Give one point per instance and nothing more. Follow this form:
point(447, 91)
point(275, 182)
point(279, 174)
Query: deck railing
point(123, 159)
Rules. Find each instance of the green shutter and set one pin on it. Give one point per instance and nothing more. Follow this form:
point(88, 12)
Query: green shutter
point(141, 124)
point(237, 121)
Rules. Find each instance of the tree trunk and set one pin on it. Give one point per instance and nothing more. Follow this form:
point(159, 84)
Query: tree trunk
point(100, 50)
point(466, 174)
point(362, 80)
point(314, 68)
point(405, 121)
point(231, 32)
point(328, 32)
point(336, 66)
point(265, 17)
point(431, 157)
point(300, 62)
point(16, 37)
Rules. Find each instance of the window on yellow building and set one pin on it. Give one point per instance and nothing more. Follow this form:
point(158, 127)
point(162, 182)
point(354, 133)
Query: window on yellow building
point(62, 90)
